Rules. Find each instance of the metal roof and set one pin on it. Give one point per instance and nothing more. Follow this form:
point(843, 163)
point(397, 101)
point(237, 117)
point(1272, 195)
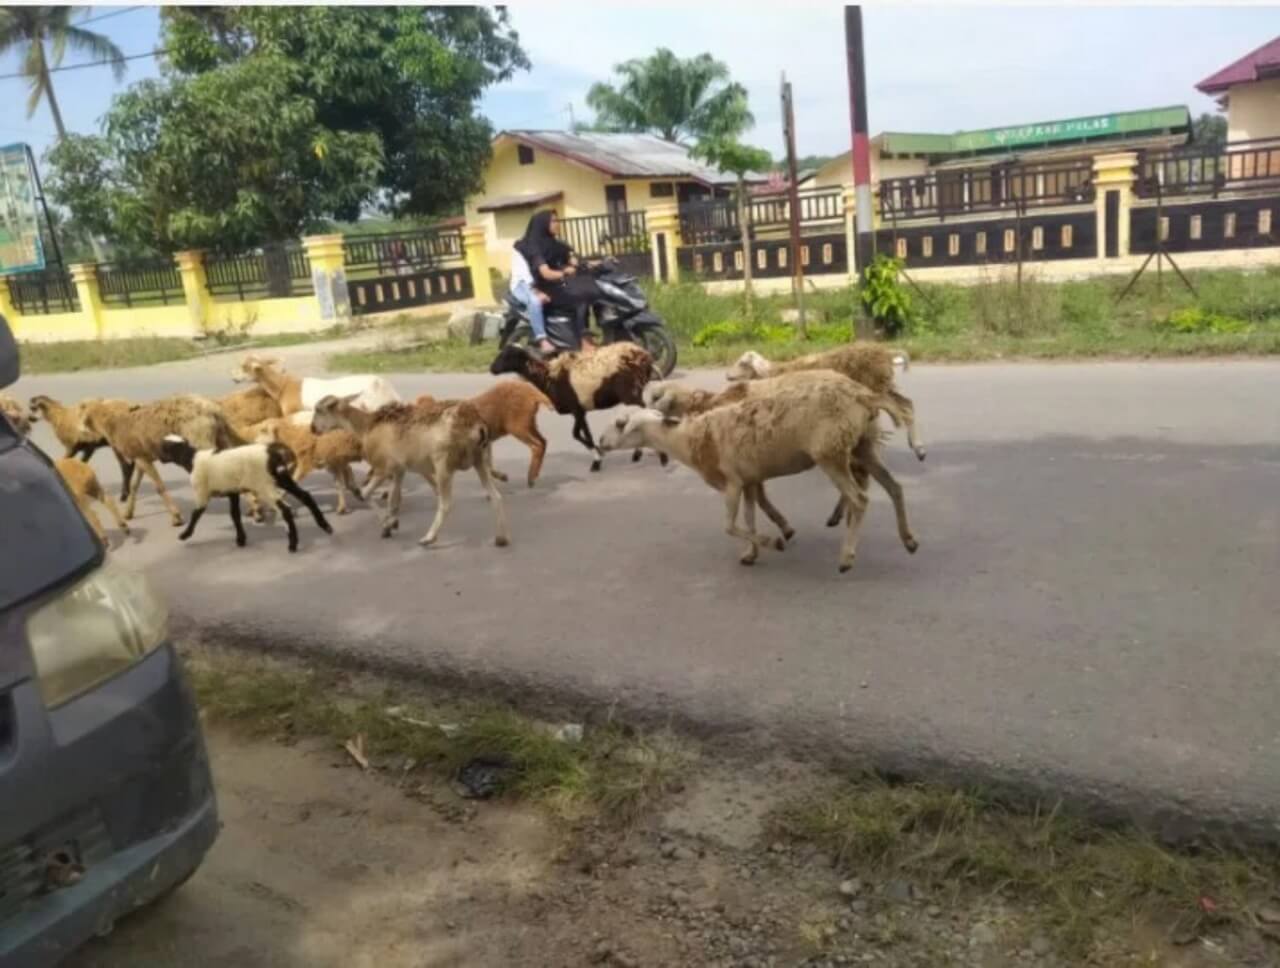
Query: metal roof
point(528, 200)
point(626, 155)
point(1253, 66)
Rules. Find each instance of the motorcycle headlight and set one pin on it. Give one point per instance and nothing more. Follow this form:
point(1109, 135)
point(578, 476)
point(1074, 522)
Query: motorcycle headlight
point(93, 631)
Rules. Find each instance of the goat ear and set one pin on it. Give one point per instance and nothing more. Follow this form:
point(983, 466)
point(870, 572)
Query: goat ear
point(351, 398)
point(670, 421)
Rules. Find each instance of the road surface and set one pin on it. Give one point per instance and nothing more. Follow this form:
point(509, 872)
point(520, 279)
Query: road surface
point(1093, 609)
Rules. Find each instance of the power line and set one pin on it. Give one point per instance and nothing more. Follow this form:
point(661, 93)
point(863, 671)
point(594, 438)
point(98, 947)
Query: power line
point(107, 16)
point(76, 67)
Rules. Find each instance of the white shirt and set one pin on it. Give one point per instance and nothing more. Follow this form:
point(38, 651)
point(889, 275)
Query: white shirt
point(520, 269)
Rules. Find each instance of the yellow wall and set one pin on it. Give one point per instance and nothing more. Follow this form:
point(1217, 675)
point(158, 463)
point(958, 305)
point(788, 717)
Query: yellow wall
point(839, 171)
point(1253, 111)
point(54, 327)
point(147, 321)
point(298, 314)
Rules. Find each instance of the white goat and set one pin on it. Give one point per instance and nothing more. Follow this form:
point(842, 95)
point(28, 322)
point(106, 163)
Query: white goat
point(258, 469)
point(294, 394)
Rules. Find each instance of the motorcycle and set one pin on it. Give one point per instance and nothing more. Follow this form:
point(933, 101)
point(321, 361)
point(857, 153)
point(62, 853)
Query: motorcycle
point(622, 313)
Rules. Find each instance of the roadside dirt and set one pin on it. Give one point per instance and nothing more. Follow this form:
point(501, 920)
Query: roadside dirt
point(320, 864)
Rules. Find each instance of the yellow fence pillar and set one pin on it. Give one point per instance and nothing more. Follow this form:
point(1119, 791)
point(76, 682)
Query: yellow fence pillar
point(664, 242)
point(329, 277)
point(7, 308)
point(195, 289)
point(1113, 174)
point(475, 249)
point(84, 275)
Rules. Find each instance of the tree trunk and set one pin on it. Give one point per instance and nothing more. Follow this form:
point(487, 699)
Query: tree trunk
point(745, 227)
point(47, 81)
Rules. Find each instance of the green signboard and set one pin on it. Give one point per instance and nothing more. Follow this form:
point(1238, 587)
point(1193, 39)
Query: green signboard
point(21, 249)
point(1034, 134)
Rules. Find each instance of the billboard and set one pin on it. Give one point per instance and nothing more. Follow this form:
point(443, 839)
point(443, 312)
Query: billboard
point(21, 249)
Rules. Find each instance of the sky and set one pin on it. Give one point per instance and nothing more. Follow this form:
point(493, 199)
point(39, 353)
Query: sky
point(929, 68)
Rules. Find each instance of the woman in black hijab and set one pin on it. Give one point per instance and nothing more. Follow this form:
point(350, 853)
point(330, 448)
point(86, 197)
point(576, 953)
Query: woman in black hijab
point(552, 264)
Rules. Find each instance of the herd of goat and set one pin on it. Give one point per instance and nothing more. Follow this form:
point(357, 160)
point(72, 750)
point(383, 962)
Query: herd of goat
point(259, 443)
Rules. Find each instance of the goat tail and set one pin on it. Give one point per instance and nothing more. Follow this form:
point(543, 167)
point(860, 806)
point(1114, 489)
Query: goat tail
point(225, 435)
point(885, 403)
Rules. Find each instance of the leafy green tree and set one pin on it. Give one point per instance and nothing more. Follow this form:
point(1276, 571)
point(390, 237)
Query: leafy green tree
point(1209, 129)
point(270, 120)
point(731, 156)
point(678, 99)
point(27, 30)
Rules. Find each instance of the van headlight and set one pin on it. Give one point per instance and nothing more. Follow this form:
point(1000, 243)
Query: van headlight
point(94, 630)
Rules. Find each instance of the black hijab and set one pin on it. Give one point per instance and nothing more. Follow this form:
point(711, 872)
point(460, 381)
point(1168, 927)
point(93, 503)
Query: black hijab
point(539, 246)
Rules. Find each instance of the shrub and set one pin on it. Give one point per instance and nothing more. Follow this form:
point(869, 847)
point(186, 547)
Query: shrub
point(1194, 319)
point(884, 296)
point(737, 331)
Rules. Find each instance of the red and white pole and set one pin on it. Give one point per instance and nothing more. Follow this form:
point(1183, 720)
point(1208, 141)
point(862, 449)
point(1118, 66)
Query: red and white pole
point(861, 138)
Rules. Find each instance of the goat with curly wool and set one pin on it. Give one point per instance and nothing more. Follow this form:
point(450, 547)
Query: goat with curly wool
point(827, 422)
point(870, 364)
point(262, 470)
point(575, 383)
point(435, 440)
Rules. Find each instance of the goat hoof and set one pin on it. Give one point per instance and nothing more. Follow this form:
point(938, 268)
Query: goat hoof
point(834, 520)
point(789, 534)
point(386, 532)
point(664, 460)
point(327, 529)
point(635, 458)
point(595, 465)
point(501, 541)
point(747, 560)
point(426, 542)
point(845, 567)
point(293, 549)
point(912, 545)
point(779, 544)
point(177, 522)
point(920, 453)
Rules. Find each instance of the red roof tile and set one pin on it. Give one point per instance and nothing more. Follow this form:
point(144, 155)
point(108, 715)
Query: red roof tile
point(1254, 66)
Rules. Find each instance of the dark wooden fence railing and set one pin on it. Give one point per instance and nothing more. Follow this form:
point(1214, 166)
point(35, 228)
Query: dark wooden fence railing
point(143, 283)
point(1007, 187)
point(399, 252)
point(1210, 169)
point(613, 233)
point(48, 291)
point(711, 221)
point(274, 271)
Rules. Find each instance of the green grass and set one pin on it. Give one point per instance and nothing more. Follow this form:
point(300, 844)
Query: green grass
point(1080, 878)
point(75, 355)
point(1233, 313)
point(611, 773)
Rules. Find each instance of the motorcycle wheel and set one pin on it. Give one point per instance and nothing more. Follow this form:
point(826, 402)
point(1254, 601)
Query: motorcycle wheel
point(521, 335)
point(661, 347)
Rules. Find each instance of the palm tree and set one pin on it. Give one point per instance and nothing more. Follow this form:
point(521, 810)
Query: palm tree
point(26, 30)
point(676, 99)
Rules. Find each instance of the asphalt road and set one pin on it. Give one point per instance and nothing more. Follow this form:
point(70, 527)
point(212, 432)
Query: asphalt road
point(1093, 609)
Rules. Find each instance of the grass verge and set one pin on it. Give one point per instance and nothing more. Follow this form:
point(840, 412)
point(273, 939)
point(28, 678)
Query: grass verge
point(75, 355)
point(611, 773)
point(1079, 879)
point(1232, 313)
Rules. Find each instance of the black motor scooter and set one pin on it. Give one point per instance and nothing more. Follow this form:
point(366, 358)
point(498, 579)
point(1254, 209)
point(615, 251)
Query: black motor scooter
point(622, 313)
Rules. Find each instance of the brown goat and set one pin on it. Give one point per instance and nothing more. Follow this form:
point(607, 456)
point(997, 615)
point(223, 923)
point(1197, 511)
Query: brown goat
point(511, 407)
point(84, 486)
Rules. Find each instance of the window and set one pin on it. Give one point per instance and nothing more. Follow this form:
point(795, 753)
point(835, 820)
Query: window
point(1067, 237)
point(1037, 237)
point(782, 257)
point(1197, 224)
point(900, 248)
point(926, 246)
point(1229, 225)
point(524, 154)
point(661, 190)
point(762, 258)
point(717, 262)
point(804, 255)
point(1264, 221)
point(827, 253)
point(697, 262)
point(953, 244)
point(980, 243)
point(737, 261)
point(1164, 228)
point(1010, 240)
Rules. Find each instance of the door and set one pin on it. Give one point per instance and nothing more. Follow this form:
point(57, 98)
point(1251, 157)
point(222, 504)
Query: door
point(615, 204)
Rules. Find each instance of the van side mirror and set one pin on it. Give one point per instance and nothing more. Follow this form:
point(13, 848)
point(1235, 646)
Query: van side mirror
point(9, 368)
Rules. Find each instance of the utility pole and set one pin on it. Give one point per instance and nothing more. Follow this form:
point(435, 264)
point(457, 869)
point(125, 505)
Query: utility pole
point(864, 242)
point(573, 125)
point(793, 204)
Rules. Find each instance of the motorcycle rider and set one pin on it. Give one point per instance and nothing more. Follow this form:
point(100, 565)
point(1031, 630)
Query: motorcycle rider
point(552, 264)
point(523, 288)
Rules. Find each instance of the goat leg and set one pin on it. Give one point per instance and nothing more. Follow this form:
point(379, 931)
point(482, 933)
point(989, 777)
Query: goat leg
point(196, 515)
point(503, 536)
point(582, 431)
point(241, 537)
point(444, 501)
point(774, 515)
point(288, 523)
point(288, 484)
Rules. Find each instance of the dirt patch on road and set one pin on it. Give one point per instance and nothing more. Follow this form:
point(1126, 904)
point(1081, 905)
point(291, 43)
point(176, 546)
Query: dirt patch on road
point(323, 863)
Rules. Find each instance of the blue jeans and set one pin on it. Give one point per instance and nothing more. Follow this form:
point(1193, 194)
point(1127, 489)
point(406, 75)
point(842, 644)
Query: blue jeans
point(525, 293)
